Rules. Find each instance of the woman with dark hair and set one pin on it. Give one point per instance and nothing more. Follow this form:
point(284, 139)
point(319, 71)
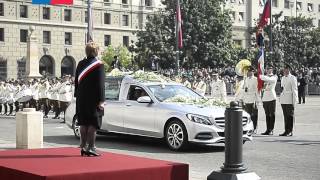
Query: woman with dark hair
point(90, 98)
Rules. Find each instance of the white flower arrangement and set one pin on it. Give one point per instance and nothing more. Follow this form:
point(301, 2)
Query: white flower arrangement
point(203, 102)
point(149, 77)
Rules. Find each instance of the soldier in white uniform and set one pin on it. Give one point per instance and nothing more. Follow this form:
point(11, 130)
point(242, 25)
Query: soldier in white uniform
point(251, 96)
point(288, 99)
point(185, 81)
point(2, 99)
point(269, 99)
point(55, 97)
point(10, 96)
point(16, 103)
point(65, 95)
point(44, 96)
point(218, 88)
point(200, 86)
point(35, 95)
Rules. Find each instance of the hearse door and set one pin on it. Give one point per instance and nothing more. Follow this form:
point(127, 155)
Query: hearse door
point(139, 118)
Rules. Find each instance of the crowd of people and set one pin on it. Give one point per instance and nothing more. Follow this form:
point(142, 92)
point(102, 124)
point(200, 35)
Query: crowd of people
point(42, 94)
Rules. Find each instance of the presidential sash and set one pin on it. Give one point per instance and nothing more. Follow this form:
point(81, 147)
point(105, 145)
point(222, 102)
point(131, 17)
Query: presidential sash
point(95, 64)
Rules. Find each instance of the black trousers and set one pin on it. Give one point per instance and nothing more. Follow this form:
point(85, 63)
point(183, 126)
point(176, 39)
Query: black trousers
point(17, 105)
point(0, 108)
point(56, 108)
point(270, 111)
point(44, 102)
point(288, 114)
point(301, 95)
point(252, 109)
point(5, 108)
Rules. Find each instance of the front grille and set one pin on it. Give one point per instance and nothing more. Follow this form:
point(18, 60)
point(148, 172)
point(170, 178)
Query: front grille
point(222, 133)
point(220, 121)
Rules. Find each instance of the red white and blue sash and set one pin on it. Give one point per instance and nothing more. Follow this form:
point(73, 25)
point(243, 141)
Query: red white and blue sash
point(88, 69)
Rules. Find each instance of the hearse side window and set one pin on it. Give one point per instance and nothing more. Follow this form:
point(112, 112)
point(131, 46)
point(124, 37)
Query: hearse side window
point(135, 92)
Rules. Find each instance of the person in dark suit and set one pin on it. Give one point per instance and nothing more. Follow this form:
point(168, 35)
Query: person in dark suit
point(90, 98)
point(301, 88)
point(116, 63)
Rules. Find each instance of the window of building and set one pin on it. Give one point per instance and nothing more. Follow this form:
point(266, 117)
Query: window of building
point(68, 38)
point(46, 13)
point(23, 35)
point(299, 6)
point(46, 37)
point(148, 2)
point(107, 18)
point(274, 3)
point(125, 20)
point(86, 16)
point(232, 15)
point(319, 8)
point(238, 42)
point(241, 1)
point(23, 11)
point(124, 1)
point(125, 41)
point(241, 16)
point(310, 7)
point(319, 23)
point(1, 34)
point(1, 9)
point(107, 40)
point(67, 15)
point(287, 4)
point(106, 2)
point(21, 73)
point(3, 68)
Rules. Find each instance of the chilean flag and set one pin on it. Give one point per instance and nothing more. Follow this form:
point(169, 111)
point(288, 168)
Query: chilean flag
point(178, 26)
point(260, 68)
point(53, 2)
point(265, 15)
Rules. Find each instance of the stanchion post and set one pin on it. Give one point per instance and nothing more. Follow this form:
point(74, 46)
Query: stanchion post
point(233, 167)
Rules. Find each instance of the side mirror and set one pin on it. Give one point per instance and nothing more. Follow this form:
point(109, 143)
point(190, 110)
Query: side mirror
point(144, 99)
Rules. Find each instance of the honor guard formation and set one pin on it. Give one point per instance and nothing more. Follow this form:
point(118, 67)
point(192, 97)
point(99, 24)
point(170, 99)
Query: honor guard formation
point(42, 94)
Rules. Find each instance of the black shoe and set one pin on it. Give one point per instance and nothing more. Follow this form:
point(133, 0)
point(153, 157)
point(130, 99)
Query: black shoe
point(83, 152)
point(92, 152)
point(286, 134)
point(267, 133)
point(45, 116)
point(56, 117)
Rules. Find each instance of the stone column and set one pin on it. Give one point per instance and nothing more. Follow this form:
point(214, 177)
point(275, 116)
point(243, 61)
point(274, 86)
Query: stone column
point(32, 64)
point(29, 129)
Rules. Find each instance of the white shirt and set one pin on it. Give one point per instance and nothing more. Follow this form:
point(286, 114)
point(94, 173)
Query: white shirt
point(269, 92)
point(200, 87)
point(218, 90)
point(289, 94)
point(252, 94)
point(65, 92)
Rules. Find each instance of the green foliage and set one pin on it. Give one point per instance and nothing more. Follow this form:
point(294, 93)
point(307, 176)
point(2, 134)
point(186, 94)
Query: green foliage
point(295, 42)
point(207, 37)
point(123, 54)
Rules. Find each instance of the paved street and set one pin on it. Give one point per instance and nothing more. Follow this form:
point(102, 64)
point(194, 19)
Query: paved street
point(272, 158)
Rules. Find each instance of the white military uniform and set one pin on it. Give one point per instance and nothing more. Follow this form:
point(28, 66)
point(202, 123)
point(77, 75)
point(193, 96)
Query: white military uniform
point(239, 90)
point(10, 93)
point(2, 91)
point(289, 93)
point(218, 90)
point(35, 91)
point(65, 92)
point(55, 91)
point(187, 84)
point(200, 87)
point(44, 90)
point(251, 95)
point(269, 92)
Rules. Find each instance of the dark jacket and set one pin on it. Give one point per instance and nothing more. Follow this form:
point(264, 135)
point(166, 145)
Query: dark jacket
point(89, 92)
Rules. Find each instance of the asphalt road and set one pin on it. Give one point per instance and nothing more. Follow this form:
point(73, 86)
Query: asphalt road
point(271, 157)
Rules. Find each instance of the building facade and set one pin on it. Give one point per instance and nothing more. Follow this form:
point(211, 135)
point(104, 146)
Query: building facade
point(61, 31)
point(245, 14)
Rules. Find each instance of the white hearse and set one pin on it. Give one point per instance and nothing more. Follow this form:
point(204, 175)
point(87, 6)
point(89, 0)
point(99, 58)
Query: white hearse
point(144, 108)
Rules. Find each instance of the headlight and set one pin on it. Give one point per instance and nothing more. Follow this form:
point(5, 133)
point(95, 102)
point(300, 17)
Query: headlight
point(199, 119)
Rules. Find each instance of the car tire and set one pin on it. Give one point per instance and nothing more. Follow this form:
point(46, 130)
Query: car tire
point(176, 135)
point(76, 127)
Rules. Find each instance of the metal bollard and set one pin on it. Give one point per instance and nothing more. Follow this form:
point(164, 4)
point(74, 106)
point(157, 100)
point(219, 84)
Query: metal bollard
point(233, 168)
point(233, 139)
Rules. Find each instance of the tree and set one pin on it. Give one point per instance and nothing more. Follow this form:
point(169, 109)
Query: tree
point(207, 37)
point(291, 39)
point(123, 54)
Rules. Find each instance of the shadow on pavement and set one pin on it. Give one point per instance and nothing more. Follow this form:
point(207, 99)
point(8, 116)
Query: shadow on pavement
point(295, 142)
point(134, 143)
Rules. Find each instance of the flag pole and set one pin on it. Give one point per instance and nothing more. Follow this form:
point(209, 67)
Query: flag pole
point(90, 23)
point(271, 19)
point(177, 38)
